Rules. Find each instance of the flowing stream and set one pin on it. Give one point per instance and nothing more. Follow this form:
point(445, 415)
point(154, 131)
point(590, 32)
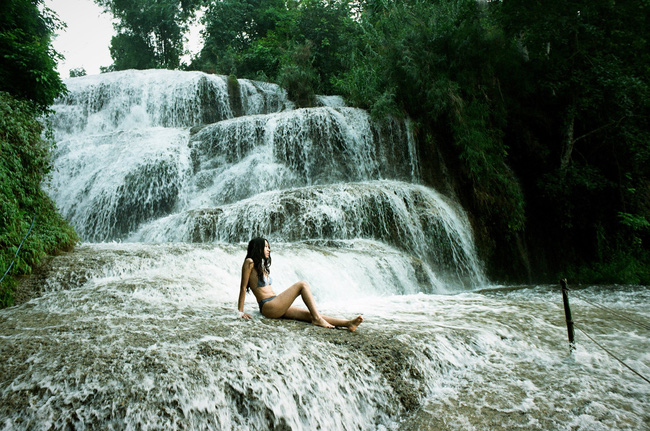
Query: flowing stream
point(166, 175)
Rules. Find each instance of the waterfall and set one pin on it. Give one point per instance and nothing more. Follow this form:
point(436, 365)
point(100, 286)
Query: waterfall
point(166, 175)
point(169, 156)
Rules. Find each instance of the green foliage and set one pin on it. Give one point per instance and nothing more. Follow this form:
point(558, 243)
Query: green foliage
point(132, 51)
point(230, 29)
point(76, 72)
point(234, 95)
point(150, 32)
point(24, 164)
point(27, 73)
point(496, 191)
point(259, 38)
point(541, 110)
point(621, 267)
point(298, 76)
point(438, 63)
point(28, 66)
point(107, 69)
point(585, 100)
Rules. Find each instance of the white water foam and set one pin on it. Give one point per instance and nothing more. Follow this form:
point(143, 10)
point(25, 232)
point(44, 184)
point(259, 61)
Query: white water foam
point(157, 98)
point(140, 335)
point(151, 340)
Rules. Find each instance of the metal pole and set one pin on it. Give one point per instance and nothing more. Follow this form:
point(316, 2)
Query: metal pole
point(567, 315)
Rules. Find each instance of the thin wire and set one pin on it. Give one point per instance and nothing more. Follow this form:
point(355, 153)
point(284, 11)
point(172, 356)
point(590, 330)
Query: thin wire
point(614, 356)
point(622, 316)
point(21, 244)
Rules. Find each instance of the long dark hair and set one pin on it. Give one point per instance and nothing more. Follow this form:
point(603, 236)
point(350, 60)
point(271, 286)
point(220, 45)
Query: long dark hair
point(256, 252)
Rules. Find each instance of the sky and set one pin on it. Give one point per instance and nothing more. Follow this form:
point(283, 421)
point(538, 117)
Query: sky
point(85, 41)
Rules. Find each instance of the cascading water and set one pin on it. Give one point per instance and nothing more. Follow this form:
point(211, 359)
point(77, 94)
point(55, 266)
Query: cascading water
point(157, 156)
point(166, 176)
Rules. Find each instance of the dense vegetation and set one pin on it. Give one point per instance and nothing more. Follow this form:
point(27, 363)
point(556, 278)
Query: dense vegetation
point(301, 44)
point(28, 67)
point(540, 110)
point(149, 32)
point(28, 84)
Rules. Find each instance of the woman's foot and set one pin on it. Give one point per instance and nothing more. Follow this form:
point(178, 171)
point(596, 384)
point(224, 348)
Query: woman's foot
point(354, 323)
point(322, 322)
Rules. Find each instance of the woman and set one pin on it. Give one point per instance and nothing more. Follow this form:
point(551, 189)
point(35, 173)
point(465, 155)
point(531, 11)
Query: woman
point(255, 276)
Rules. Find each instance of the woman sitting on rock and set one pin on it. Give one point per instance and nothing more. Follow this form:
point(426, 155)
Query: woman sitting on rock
point(255, 276)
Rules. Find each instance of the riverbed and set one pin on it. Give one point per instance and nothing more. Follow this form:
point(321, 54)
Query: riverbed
point(136, 336)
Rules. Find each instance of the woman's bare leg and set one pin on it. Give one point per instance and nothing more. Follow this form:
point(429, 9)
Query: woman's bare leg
point(297, 313)
point(278, 307)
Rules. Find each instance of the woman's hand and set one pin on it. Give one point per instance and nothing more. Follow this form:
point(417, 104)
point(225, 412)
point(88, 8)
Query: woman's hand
point(245, 316)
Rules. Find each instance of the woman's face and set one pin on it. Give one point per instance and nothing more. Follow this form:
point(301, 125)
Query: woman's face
point(267, 250)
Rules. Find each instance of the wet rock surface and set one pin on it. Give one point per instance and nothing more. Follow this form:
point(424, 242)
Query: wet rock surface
point(146, 336)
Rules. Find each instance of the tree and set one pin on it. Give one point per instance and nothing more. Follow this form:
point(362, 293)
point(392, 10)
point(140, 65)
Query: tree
point(440, 64)
point(269, 39)
point(28, 67)
point(298, 76)
point(149, 32)
point(132, 51)
point(586, 100)
point(234, 30)
point(29, 83)
point(541, 112)
point(78, 71)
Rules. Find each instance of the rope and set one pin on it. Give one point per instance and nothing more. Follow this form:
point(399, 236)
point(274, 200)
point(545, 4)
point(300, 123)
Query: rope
point(602, 307)
point(613, 355)
point(21, 244)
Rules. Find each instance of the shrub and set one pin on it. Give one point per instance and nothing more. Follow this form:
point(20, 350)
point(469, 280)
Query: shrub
point(24, 165)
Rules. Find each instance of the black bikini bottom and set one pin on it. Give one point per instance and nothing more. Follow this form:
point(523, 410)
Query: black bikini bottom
point(264, 301)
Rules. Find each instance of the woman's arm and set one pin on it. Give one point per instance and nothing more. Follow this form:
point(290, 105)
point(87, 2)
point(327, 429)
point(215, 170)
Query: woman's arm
point(245, 275)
